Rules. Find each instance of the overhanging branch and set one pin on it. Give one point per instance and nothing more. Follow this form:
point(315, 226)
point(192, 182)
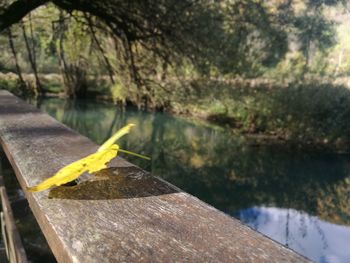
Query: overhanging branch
point(17, 10)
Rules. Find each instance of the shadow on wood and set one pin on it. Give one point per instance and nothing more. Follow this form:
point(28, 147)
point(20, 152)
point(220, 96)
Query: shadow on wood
point(115, 183)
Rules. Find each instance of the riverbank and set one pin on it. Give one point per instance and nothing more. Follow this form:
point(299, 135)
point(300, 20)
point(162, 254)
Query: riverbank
point(292, 115)
point(296, 115)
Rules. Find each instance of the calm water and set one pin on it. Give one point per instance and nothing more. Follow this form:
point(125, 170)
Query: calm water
point(299, 200)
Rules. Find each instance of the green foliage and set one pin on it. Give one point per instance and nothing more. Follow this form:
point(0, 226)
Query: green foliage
point(118, 93)
point(11, 85)
point(156, 41)
point(291, 68)
point(303, 113)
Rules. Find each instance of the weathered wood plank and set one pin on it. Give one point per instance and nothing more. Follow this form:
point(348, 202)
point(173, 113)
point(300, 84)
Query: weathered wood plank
point(13, 244)
point(122, 214)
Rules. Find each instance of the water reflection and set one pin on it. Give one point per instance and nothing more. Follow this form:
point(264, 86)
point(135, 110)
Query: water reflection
point(316, 239)
point(219, 168)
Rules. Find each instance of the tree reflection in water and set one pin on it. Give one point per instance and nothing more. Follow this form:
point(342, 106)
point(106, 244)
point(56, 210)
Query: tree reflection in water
point(223, 170)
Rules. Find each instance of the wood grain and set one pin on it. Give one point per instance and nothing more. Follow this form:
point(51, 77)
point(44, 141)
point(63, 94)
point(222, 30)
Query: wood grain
point(121, 214)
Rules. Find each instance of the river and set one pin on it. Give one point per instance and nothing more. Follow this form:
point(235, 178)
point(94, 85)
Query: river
point(301, 200)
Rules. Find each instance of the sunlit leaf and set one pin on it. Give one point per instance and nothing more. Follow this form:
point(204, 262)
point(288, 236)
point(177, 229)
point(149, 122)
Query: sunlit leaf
point(91, 163)
point(116, 136)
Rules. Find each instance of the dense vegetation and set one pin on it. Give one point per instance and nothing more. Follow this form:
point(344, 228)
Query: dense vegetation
point(262, 67)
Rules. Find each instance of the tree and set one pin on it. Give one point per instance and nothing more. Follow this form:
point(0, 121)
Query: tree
point(23, 85)
point(153, 38)
point(164, 29)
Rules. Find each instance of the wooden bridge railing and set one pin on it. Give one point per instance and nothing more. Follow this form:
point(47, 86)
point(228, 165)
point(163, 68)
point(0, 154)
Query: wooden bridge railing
point(123, 214)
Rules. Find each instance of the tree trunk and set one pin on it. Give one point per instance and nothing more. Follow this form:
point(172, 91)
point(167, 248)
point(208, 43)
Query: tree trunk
point(38, 87)
point(62, 59)
point(23, 85)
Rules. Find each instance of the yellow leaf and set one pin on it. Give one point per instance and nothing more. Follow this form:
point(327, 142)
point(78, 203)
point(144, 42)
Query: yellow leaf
point(116, 136)
point(92, 163)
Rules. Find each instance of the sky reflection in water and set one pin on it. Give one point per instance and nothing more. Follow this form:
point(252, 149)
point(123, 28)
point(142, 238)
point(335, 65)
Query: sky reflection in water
point(228, 173)
point(316, 239)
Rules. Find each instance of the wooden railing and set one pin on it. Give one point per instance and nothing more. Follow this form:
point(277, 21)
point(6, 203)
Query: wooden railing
point(123, 214)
